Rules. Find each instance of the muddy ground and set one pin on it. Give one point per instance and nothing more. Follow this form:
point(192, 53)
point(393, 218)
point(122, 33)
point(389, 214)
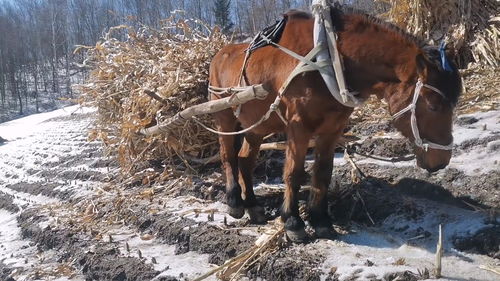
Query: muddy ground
point(73, 218)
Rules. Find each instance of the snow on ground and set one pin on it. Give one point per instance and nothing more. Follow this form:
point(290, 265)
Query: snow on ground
point(50, 152)
point(481, 159)
point(32, 124)
point(33, 144)
point(384, 245)
point(189, 264)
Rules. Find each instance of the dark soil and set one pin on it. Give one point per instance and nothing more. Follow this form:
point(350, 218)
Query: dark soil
point(5, 271)
point(484, 242)
point(385, 147)
point(449, 186)
point(43, 188)
point(403, 276)
point(204, 238)
point(466, 120)
point(7, 203)
point(103, 262)
point(470, 144)
point(371, 128)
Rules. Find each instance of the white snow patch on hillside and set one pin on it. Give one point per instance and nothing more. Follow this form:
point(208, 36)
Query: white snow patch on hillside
point(29, 125)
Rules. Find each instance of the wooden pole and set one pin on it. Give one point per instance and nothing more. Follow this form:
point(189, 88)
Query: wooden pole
point(439, 252)
point(251, 93)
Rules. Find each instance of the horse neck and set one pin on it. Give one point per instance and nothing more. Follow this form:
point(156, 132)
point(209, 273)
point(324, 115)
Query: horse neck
point(377, 60)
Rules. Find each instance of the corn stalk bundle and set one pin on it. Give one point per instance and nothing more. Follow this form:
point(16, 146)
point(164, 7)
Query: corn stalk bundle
point(471, 27)
point(143, 75)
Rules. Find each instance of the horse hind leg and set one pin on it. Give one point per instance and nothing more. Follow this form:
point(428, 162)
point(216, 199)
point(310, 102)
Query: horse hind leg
point(322, 174)
point(246, 165)
point(227, 122)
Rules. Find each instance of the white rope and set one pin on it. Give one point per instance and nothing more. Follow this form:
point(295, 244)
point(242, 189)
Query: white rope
point(305, 65)
point(413, 121)
point(274, 107)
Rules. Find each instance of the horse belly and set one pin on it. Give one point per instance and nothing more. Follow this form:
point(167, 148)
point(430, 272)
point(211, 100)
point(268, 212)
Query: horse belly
point(252, 111)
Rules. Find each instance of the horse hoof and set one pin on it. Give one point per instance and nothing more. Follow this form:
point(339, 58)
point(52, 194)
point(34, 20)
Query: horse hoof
point(256, 215)
point(295, 229)
point(325, 232)
point(236, 213)
point(297, 236)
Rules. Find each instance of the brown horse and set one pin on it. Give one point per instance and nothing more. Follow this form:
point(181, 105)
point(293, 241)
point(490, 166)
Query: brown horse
point(379, 59)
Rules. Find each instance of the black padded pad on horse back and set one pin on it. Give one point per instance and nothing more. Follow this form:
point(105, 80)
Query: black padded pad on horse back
point(273, 32)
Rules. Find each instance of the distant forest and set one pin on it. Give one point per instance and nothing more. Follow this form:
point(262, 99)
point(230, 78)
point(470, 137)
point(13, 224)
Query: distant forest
point(38, 37)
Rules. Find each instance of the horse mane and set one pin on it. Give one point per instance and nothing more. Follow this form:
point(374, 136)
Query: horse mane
point(338, 11)
point(297, 14)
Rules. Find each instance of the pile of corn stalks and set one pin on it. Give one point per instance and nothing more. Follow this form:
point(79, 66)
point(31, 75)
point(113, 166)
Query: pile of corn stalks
point(142, 75)
point(472, 27)
point(481, 89)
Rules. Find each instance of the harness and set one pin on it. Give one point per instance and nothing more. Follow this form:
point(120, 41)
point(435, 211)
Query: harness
point(318, 59)
point(325, 58)
point(414, 127)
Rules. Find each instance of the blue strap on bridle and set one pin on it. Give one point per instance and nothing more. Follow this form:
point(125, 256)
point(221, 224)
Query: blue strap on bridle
point(444, 61)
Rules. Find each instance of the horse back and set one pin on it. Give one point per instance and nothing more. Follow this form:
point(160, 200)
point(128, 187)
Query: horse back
point(226, 65)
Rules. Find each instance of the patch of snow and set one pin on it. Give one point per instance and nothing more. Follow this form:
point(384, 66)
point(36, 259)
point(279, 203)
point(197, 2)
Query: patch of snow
point(14, 251)
point(29, 125)
point(384, 246)
point(480, 159)
point(488, 124)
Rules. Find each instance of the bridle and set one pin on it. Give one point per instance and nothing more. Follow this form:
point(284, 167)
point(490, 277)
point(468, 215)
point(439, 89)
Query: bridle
point(412, 108)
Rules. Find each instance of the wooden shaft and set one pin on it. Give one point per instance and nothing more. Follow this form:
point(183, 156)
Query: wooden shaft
point(280, 145)
point(251, 93)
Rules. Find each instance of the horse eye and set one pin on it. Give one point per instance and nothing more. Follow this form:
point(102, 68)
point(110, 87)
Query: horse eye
point(433, 107)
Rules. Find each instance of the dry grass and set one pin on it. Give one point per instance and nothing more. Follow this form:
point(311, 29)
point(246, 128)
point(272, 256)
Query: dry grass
point(482, 90)
point(470, 26)
point(148, 76)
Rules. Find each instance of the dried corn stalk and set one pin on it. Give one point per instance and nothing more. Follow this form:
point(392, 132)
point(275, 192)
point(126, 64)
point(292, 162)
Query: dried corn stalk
point(470, 26)
point(147, 76)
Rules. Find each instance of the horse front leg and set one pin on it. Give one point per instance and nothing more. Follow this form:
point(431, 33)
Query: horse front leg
point(322, 174)
point(294, 175)
point(246, 165)
point(226, 122)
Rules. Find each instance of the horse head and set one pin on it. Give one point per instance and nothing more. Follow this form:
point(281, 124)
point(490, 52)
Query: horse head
point(427, 118)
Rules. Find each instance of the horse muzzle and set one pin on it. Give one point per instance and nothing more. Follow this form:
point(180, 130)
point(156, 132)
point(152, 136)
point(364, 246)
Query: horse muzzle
point(433, 159)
